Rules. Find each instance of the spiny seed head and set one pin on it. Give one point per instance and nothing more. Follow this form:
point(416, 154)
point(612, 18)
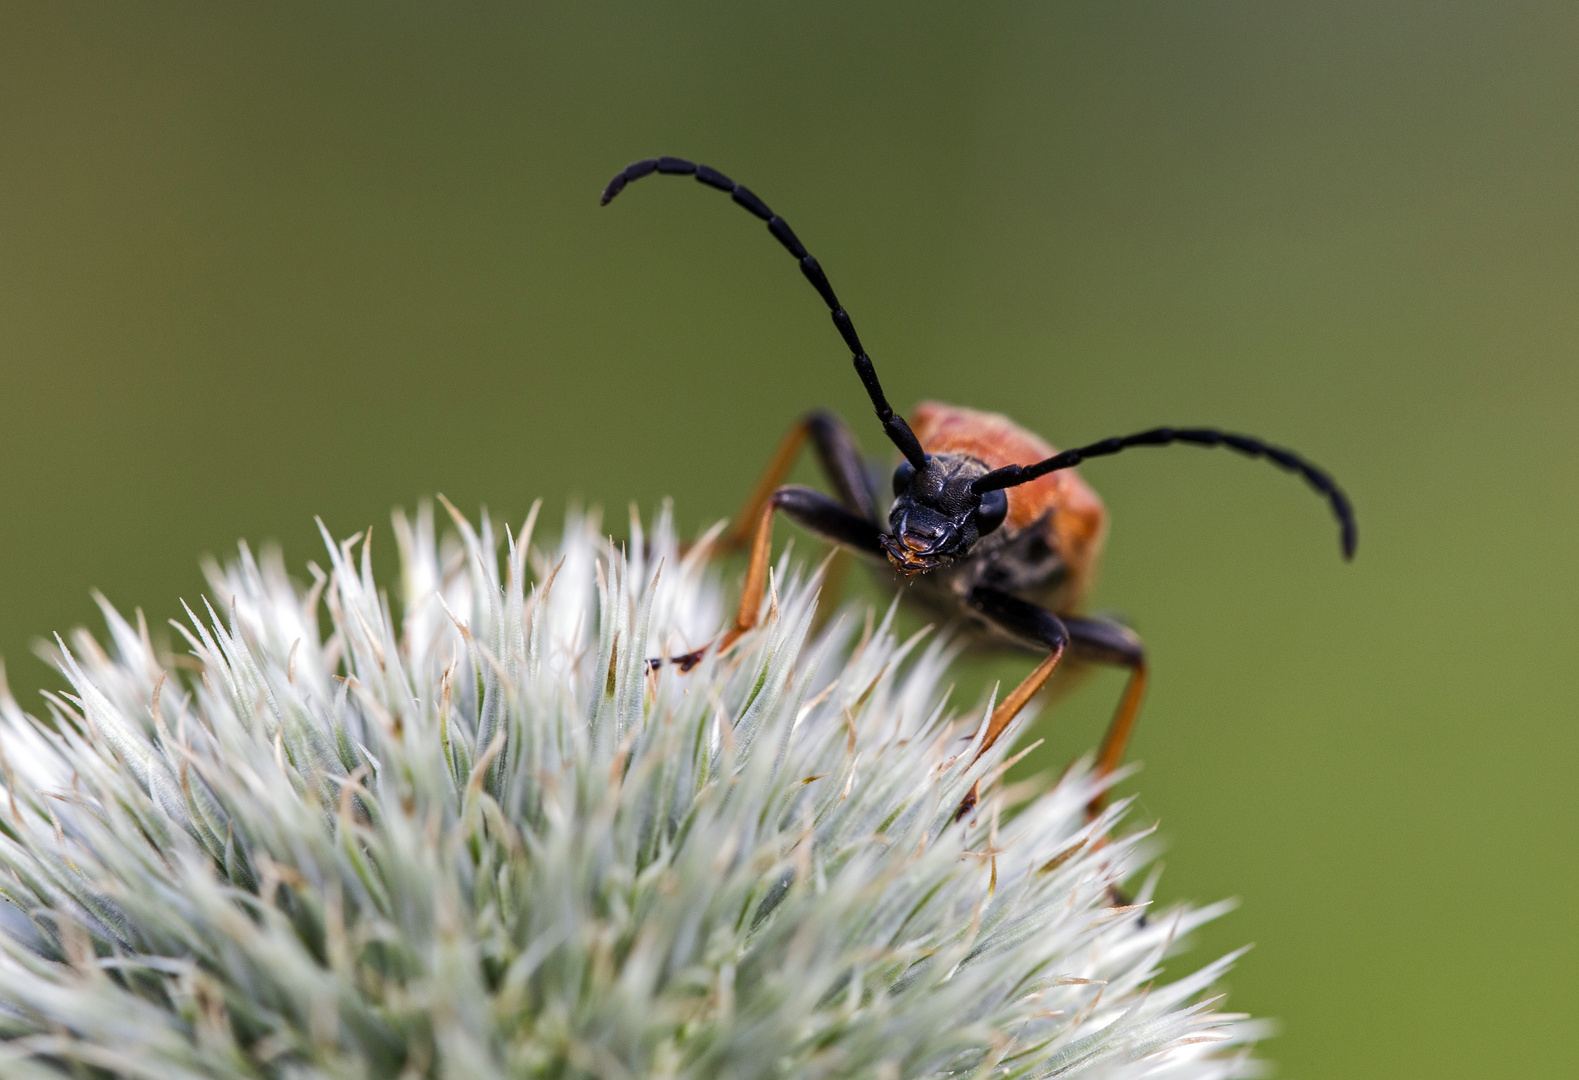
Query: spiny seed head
point(472, 835)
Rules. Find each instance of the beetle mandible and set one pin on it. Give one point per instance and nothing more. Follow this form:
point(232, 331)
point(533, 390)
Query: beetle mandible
point(989, 520)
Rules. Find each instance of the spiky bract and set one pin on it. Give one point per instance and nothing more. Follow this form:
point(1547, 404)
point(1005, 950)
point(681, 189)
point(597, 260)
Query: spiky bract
point(485, 841)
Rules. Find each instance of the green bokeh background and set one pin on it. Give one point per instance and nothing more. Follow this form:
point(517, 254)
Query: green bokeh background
point(260, 264)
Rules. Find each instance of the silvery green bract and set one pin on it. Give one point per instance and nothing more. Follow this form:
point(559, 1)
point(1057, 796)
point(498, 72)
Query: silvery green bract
point(485, 841)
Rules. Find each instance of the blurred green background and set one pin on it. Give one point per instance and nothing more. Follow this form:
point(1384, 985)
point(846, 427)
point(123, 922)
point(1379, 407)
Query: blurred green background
point(258, 264)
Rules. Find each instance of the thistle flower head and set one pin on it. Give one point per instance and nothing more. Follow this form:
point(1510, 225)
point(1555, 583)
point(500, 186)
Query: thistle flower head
point(473, 835)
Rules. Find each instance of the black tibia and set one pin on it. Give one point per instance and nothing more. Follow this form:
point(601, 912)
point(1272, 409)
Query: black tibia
point(842, 462)
point(817, 513)
point(1248, 445)
point(1033, 625)
point(894, 425)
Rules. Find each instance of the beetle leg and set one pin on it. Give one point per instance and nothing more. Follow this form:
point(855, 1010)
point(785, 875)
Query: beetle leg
point(842, 463)
point(1038, 628)
point(1104, 642)
point(813, 511)
point(850, 478)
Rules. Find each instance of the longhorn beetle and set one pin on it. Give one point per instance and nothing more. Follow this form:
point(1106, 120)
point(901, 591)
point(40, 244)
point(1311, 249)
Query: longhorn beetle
point(991, 522)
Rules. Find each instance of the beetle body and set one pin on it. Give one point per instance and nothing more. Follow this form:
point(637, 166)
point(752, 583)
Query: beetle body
point(1050, 541)
point(988, 522)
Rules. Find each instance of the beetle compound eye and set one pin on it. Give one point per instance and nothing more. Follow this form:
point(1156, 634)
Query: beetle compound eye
point(993, 509)
point(902, 478)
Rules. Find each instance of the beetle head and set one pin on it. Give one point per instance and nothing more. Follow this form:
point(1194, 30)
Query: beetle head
point(936, 518)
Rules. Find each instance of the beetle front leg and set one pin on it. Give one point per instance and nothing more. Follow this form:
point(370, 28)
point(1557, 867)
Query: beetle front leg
point(813, 511)
point(846, 471)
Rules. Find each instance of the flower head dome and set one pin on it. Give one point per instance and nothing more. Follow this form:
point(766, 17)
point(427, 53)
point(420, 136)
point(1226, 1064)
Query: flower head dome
point(471, 834)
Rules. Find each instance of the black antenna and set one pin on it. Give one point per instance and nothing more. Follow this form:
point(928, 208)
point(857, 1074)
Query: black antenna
point(894, 425)
point(1014, 475)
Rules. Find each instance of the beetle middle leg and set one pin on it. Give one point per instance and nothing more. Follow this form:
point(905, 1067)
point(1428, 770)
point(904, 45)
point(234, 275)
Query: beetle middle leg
point(1104, 642)
point(1036, 627)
